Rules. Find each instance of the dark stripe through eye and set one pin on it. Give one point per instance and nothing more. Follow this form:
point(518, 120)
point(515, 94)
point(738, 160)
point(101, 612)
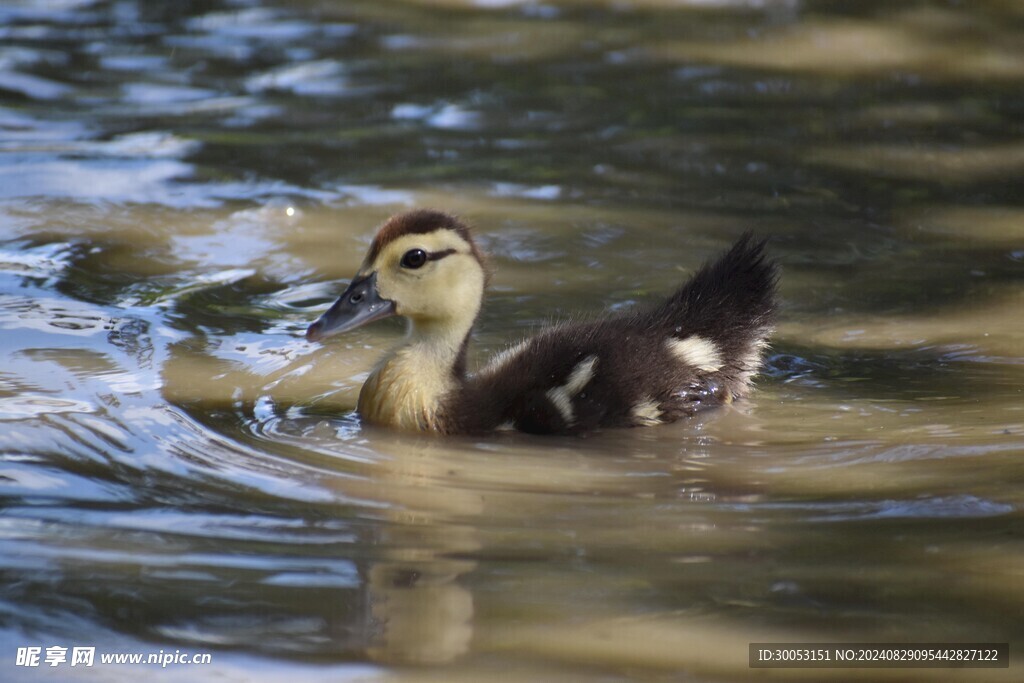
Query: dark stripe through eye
point(438, 255)
point(416, 258)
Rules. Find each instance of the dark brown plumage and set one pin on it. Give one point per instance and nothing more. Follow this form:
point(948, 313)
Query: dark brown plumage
point(651, 365)
point(730, 303)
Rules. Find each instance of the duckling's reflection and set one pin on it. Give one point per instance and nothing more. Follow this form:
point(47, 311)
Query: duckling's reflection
point(416, 610)
point(418, 613)
point(439, 497)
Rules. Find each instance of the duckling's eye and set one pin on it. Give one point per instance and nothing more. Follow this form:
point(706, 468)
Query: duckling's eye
point(414, 258)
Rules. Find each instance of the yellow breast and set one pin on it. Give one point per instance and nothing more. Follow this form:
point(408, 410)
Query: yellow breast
point(406, 392)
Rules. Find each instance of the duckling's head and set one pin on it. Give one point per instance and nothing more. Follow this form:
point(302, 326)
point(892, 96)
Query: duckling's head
point(422, 265)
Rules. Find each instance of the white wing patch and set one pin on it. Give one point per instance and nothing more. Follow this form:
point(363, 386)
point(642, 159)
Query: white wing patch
point(646, 413)
point(506, 355)
point(697, 351)
point(561, 397)
point(751, 361)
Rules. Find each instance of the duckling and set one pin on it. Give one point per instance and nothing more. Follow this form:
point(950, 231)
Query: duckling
point(647, 366)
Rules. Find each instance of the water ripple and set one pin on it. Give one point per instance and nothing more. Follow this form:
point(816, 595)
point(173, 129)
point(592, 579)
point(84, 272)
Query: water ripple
point(961, 506)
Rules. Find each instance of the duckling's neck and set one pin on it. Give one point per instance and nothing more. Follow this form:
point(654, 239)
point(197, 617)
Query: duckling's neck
point(407, 388)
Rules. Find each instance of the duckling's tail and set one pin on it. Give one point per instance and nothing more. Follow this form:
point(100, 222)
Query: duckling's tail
point(721, 318)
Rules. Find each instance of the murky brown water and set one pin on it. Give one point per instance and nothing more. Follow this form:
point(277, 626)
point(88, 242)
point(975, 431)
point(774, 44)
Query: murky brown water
point(184, 186)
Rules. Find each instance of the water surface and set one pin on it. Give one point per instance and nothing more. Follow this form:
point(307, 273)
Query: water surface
point(185, 186)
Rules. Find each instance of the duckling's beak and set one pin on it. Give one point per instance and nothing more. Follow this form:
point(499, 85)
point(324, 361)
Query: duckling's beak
point(359, 305)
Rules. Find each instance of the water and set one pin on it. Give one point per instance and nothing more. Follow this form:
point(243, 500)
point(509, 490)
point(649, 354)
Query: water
point(185, 186)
